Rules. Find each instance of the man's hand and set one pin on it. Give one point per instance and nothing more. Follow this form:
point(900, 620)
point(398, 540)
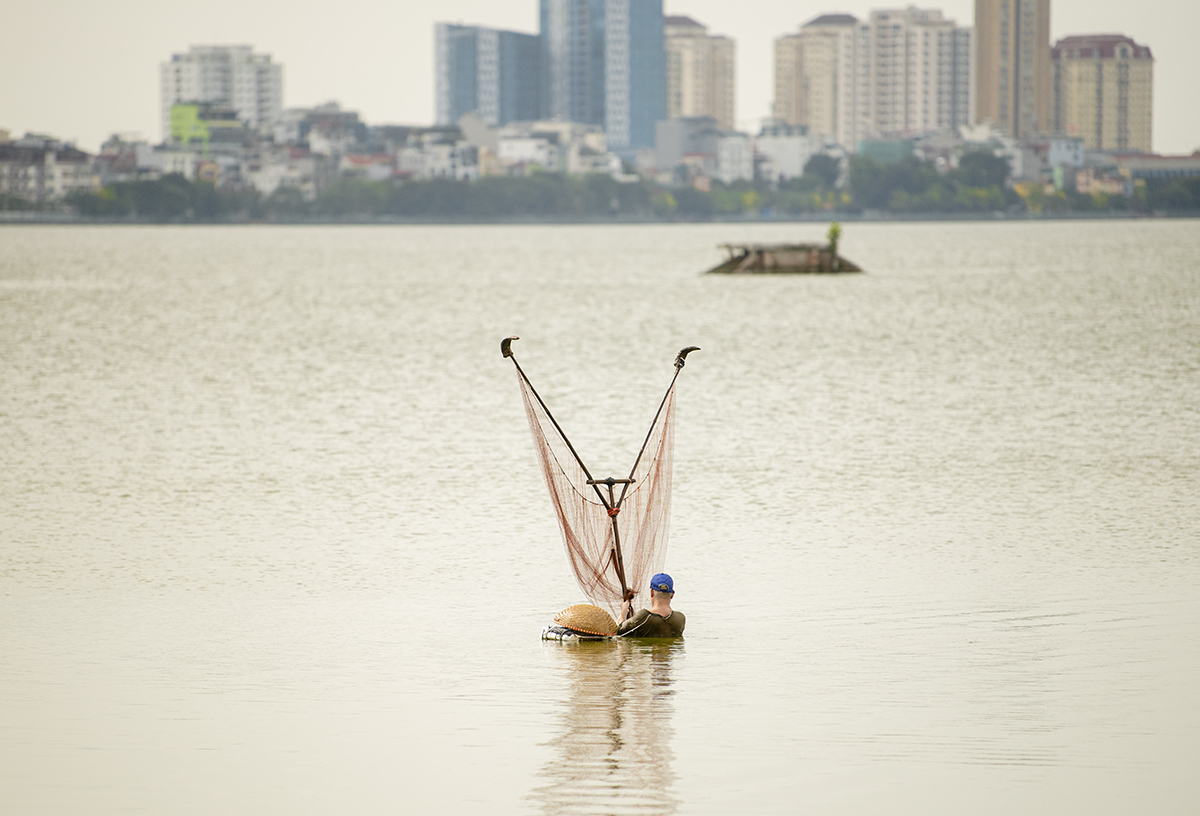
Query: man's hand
point(627, 606)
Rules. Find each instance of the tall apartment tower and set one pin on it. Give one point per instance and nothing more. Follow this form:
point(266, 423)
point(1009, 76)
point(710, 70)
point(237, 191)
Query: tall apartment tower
point(1014, 84)
point(603, 63)
point(821, 78)
point(231, 76)
point(900, 72)
point(921, 72)
point(1103, 91)
point(700, 72)
point(486, 71)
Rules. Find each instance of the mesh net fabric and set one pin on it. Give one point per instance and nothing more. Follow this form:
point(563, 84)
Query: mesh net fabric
point(587, 531)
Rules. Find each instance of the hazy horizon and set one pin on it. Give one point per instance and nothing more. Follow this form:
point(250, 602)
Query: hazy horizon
point(83, 71)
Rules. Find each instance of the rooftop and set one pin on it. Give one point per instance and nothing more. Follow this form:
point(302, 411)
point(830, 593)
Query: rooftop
point(680, 26)
point(26, 155)
point(1097, 46)
point(832, 20)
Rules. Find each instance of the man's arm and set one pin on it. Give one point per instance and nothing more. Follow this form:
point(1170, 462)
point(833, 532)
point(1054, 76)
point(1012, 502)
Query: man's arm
point(632, 624)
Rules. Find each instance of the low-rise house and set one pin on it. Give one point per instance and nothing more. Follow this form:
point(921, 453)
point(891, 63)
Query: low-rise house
point(371, 166)
point(941, 148)
point(583, 160)
point(688, 146)
point(167, 159)
point(556, 146)
point(683, 136)
point(325, 129)
point(782, 150)
point(735, 157)
point(1095, 181)
point(438, 153)
point(42, 169)
point(1064, 151)
point(125, 159)
point(331, 140)
point(290, 167)
point(533, 151)
point(1150, 166)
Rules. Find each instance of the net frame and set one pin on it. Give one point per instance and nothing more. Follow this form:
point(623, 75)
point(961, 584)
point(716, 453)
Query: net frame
point(614, 543)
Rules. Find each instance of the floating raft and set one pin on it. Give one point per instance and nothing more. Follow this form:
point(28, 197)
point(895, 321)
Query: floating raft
point(783, 258)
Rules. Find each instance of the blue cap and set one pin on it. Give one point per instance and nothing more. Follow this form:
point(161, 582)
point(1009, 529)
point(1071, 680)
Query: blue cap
point(662, 583)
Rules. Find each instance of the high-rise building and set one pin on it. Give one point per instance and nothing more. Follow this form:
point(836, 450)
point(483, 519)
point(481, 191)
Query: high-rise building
point(486, 71)
point(1014, 85)
point(572, 33)
point(700, 72)
point(603, 63)
point(902, 71)
point(231, 76)
point(921, 71)
point(819, 81)
point(1103, 91)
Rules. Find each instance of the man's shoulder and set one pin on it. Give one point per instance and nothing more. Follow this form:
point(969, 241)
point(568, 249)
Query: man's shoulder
point(651, 624)
point(634, 620)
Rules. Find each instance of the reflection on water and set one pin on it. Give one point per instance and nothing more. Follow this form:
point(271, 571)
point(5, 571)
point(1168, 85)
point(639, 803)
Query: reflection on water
point(613, 753)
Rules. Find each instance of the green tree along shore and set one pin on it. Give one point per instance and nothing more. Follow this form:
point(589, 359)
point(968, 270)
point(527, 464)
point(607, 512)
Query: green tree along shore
point(906, 187)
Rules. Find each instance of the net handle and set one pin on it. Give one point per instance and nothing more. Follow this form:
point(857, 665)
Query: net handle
point(680, 361)
point(506, 350)
point(609, 503)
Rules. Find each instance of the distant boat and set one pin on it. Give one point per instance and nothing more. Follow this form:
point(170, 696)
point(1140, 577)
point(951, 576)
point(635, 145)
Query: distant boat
point(783, 259)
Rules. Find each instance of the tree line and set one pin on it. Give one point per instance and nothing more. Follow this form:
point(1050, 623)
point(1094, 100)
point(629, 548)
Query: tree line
point(977, 185)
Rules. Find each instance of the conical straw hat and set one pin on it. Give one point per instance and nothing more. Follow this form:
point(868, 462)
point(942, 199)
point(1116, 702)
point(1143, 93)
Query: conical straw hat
point(591, 620)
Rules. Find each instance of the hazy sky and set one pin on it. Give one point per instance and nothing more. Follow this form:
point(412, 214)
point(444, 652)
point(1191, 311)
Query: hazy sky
point(84, 69)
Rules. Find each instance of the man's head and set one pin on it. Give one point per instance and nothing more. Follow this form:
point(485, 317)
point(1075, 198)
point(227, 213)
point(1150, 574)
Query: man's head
point(662, 584)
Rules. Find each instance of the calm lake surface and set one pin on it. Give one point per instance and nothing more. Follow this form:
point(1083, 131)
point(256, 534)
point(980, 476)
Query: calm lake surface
point(272, 537)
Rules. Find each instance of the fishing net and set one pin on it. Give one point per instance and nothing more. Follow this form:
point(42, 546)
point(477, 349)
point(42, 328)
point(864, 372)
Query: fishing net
point(644, 507)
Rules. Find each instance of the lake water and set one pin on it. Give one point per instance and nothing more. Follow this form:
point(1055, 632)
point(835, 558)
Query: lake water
point(273, 540)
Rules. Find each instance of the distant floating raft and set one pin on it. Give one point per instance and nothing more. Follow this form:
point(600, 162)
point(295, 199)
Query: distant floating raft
point(783, 259)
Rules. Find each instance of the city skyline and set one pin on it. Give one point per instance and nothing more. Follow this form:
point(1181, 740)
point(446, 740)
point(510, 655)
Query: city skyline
point(83, 72)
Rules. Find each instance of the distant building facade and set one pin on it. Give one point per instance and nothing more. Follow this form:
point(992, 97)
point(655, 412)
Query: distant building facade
point(215, 128)
point(1138, 166)
point(572, 39)
point(685, 136)
point(231, 76)
point(698, 145)
point(603, 63)
point(1103, 92)
point(700, 72)
point(1014, 87)
point(325, 129)
point(901, 71)
point(486, 71)
point(40, 169)
point(822, 76)
point(783, 150)
point(921, 72)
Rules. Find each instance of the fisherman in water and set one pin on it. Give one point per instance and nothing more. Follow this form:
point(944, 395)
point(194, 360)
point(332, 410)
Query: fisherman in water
point(659, 620)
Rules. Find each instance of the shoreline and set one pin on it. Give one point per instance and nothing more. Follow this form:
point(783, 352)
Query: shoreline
point(19, 217)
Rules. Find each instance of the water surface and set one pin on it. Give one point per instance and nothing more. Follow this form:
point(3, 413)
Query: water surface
point(272, 536)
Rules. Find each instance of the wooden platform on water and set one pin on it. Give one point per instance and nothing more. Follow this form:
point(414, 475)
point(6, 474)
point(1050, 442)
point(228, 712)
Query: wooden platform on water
point(783, 259)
